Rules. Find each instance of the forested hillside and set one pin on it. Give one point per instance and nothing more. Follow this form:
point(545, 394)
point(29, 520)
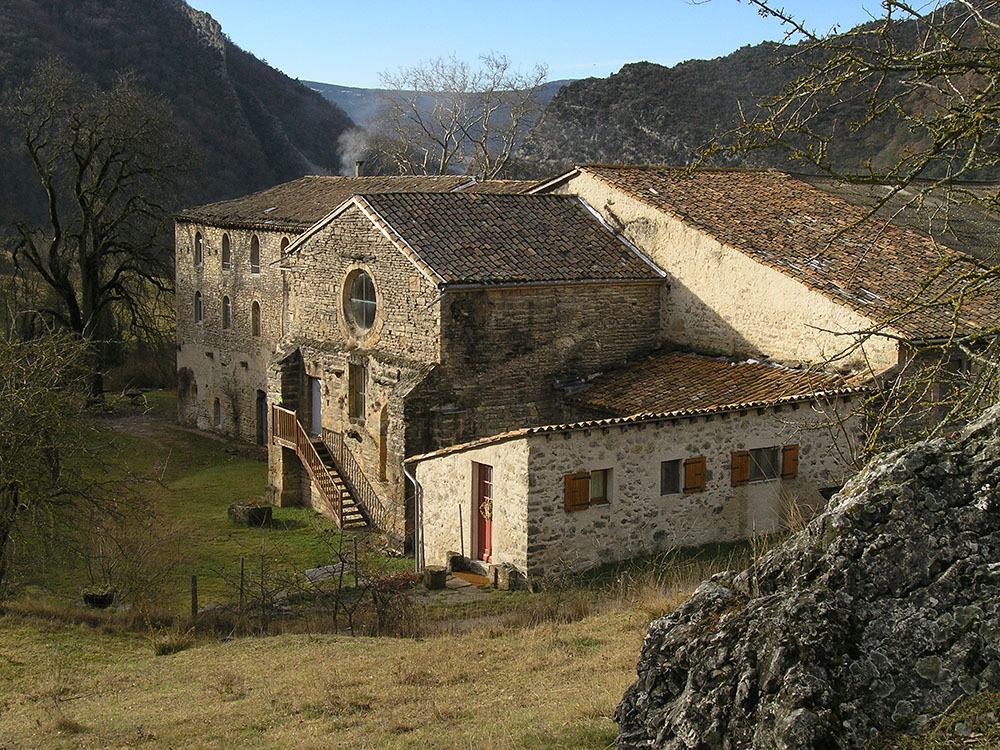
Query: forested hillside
point(250, 124)
point(649, 113)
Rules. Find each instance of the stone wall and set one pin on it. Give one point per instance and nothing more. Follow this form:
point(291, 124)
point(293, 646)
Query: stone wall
point(398, 350)
point(213, 362)
point(637, 520)
point(722, 301)
point(449, 507)
point(507, 353)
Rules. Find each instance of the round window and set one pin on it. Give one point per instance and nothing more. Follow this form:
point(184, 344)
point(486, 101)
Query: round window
point(361, 304)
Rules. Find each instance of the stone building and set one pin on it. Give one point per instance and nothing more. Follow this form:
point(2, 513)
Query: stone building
point(712, 451)
point(762, 264)
point(230, 292)
point(465, 324)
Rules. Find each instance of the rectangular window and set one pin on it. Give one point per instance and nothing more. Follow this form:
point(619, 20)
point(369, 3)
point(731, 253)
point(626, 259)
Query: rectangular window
point(670, 477)
point(587, 488)
point(357, 385)
point(599, 486)
point(763, 464)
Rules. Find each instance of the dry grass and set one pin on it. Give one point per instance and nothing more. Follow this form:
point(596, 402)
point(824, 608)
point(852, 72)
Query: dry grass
point(522, 688)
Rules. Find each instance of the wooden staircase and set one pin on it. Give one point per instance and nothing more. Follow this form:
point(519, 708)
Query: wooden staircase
point(353, 515)
point(337, 490)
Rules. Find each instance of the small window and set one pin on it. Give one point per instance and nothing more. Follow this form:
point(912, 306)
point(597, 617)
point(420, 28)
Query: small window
point(357, 388)
point(217, 413)
point(283, 245)
point(670, 477)
point(599, 486)
point(586, 489)
point(763, 464)
point(227, 313)
point(361, 303)
point(254, 254)
point(227, 253)
point(255, 318)
point(199, 249)
point(199, 311)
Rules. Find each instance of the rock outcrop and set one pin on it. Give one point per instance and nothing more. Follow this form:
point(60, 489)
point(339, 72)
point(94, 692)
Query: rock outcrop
point(878, 615)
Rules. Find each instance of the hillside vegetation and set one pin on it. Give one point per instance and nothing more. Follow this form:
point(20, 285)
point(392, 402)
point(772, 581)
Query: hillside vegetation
point(252, 126)
point(652, 114)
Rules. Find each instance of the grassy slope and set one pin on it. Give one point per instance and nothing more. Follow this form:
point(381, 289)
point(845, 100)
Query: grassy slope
point(553, 686)
point(189, 481)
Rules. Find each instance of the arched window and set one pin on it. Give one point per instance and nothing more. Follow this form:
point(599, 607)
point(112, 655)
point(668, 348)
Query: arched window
point(217, 413)
point(199, 312)
point(255, 318)
point(227, 253)
point(199, 249)
point(283, 246)
point(227, 313)
point(254, 254)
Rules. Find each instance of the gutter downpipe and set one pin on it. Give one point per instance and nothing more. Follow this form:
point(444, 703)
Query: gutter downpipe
point(418, 520)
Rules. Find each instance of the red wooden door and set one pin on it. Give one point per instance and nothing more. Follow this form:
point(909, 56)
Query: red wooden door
point(484, 513)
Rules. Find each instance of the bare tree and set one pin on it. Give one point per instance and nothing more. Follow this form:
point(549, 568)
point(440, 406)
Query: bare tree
point(930, 77)
point(107, 162)
point(446, 116)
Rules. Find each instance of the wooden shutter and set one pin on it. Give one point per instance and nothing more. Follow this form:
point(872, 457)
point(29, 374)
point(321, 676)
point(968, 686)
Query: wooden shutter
point(694, 475)
point(577, 492)
point(741, 468)
point(789, 462)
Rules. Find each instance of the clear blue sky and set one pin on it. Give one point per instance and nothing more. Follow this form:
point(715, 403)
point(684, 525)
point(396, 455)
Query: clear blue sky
point(349, 43)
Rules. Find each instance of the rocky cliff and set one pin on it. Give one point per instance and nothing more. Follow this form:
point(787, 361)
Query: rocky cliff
point(880, 614)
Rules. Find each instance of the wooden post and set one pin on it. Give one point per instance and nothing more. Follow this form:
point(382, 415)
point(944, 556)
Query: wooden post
point(194, 596)
point(243, 578)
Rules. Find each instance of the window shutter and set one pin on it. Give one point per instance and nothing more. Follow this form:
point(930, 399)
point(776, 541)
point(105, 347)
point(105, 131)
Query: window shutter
point(789, 462)
point(577, 492)
point(741, 468)
point(694, 475)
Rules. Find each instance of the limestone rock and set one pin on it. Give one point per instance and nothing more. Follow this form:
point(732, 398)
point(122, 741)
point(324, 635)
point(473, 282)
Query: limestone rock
point(879, 614)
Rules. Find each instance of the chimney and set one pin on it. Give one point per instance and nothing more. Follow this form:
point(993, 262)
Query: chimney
point(359, 168)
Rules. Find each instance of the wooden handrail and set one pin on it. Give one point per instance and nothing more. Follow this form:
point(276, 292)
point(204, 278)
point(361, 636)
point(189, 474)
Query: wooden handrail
point(287, 430)
point(353, 475)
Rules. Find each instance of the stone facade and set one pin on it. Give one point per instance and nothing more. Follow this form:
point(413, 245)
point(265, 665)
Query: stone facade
point(722, 301)
point(533, 530)
point(441, 368)
point(215, 363)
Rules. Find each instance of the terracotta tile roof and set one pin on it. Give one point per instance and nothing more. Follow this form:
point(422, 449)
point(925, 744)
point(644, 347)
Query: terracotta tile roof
point(887, 273)
point(688, 385)
point(484, 238)
point(502, 186)
point(297, 205)
point(678, 381)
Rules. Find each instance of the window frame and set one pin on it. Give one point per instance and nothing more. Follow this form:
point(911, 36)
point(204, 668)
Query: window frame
point(665, 491)
point(747, 469)
point(227, 253)
point(577, 498)
point(362, 310)
point(255, 255)
point(357, 391)
point(255, 324)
